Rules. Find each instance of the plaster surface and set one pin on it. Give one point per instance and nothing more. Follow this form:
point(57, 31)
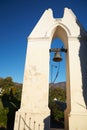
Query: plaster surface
point(34, 113)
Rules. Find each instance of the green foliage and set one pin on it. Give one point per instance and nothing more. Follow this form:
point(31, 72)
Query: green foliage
point(3, 115)
point(1, 82)
point(57, 93)
point(7, 82)
point(56, 110)
point(3, 120)
point(9, 101)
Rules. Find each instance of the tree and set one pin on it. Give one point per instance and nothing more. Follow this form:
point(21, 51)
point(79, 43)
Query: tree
point(8, 82)
point(57, 113)
point(1, 82)
point(9, 101)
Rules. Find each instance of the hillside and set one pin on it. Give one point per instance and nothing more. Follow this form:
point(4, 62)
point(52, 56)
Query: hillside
point(60, 84)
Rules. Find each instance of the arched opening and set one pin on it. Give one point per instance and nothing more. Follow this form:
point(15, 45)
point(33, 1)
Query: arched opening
point(57, 66)
point(59, 76)
point(57, 93)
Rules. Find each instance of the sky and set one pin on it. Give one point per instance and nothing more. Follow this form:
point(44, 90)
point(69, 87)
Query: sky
point(17, 20)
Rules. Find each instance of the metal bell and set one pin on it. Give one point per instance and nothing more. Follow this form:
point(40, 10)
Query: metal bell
point(57, 57)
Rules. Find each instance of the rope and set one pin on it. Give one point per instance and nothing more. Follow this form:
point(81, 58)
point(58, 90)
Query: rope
point(56, 76)
point(26, 124)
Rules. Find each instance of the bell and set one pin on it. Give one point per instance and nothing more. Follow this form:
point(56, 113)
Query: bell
point(57, 57)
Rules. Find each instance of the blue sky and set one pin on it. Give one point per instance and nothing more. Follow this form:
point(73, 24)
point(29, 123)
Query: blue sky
point(17, 19)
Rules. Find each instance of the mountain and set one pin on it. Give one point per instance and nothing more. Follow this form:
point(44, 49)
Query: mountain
point(60, 84)
point(18, 84)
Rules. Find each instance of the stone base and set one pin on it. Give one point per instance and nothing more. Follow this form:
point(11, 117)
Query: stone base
point(78, 121)
point(26, 120)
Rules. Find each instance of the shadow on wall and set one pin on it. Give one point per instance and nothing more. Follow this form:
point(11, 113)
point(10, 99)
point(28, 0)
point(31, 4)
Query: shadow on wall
point(47, 123)
point(83, 62)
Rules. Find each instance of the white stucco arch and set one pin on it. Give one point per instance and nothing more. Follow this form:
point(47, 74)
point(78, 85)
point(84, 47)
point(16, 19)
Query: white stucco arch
point(52, 30)
point(61, 32)
point(34, 112)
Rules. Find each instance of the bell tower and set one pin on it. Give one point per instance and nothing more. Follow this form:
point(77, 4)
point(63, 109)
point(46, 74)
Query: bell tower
point(34, 113)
